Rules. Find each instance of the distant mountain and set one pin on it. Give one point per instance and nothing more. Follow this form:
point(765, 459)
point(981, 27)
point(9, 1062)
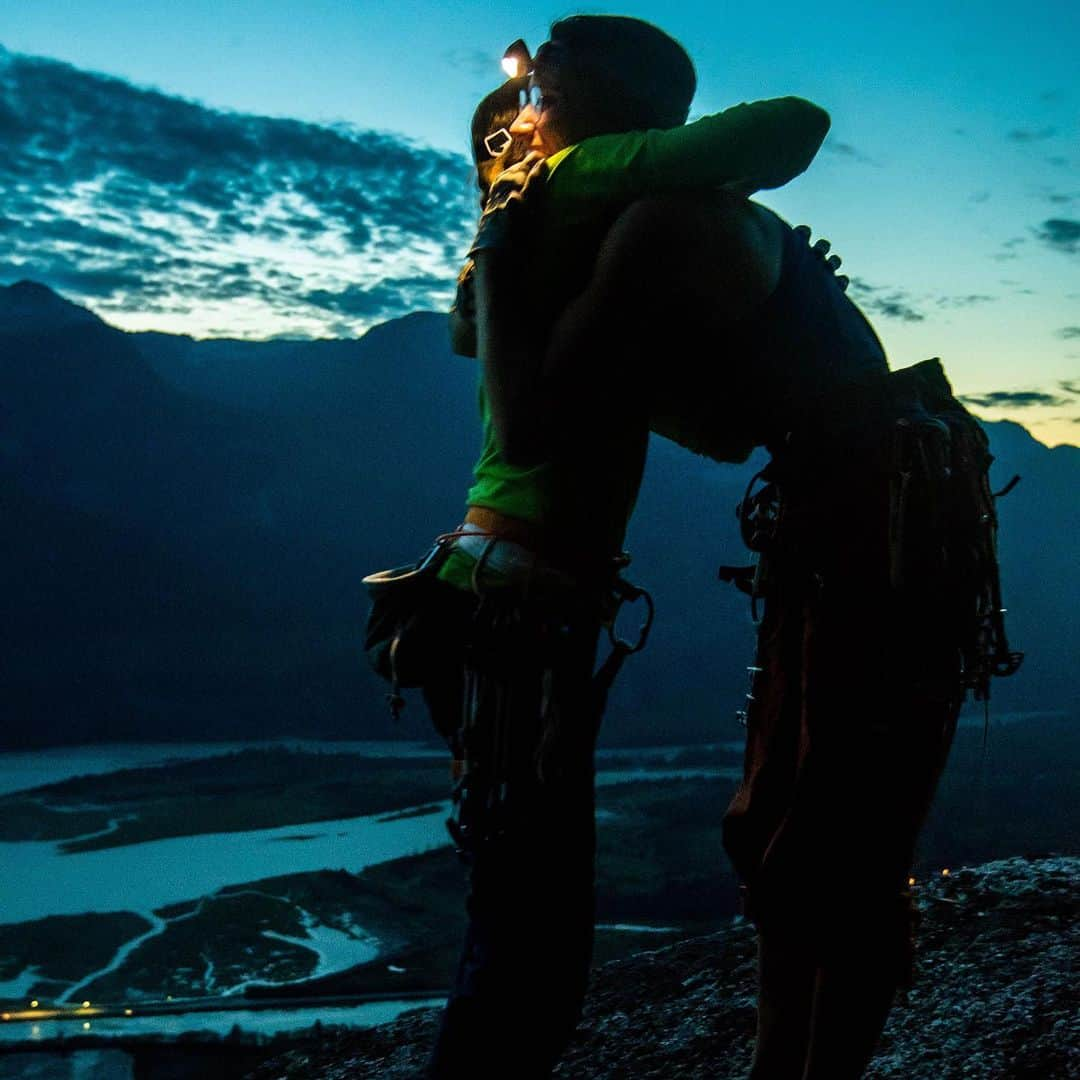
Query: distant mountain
point(1039, 543)
point(108, 633)
point(28, 307)
point(186, 523)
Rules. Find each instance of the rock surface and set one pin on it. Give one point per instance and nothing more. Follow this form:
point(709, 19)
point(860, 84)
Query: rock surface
point(993, 998)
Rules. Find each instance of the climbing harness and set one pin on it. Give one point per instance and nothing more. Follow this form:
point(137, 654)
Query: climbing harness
point(530, 707)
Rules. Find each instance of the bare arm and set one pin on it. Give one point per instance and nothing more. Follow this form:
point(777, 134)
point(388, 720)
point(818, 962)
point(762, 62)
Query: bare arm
point(697, 266)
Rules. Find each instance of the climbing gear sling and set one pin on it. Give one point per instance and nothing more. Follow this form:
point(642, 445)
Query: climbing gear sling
point(532, 701)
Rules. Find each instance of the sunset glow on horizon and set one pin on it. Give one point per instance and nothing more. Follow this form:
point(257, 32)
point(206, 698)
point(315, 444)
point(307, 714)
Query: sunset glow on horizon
point(295, 175)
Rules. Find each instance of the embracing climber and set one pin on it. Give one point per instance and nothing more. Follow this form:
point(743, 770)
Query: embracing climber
point(621, 281)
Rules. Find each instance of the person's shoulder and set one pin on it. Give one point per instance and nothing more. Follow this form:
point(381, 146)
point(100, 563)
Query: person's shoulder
point(597, 153)
point(595, 173)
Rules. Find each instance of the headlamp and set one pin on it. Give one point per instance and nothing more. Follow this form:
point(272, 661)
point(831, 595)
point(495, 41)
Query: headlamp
point(517, 61)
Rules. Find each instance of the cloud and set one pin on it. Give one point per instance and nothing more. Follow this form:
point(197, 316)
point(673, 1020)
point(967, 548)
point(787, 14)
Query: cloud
point(1010, 247)
point(393, 296)
point(895, 308)
point(1026, 135)
point(478, 62)
point(1013, 399)
point(1015, 286)
point(1062, 234)
point(971, 300)
point(142, 202)
point(1069, 332)
point(890, 302)
point(1071, 386)
point(845, 149)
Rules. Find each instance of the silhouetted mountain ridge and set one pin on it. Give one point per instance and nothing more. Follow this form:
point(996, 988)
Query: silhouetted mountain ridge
point(278, 473)
point(30, 307)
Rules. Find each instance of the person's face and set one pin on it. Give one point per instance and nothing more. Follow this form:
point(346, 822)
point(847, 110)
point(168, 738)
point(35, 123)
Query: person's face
point(560, 110)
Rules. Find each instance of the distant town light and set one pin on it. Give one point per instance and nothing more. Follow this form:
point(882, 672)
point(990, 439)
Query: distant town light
point(168, 997)
point(86, 1004)
point(911, 881)
point(945, 872)
point(5, 1016)
point(34, 1004)
point(86, 1025)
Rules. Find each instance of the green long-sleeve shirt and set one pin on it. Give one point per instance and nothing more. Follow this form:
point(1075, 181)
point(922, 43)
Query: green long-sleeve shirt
point(746, 148)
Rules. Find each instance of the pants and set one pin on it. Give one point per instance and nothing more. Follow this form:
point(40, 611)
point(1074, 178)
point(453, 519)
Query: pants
point(526, 812)
point(854, 704)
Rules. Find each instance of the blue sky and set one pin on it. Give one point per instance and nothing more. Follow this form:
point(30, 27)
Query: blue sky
point(298, 170)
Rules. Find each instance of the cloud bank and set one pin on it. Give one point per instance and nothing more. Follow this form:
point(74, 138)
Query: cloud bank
point(1013, 399)
point(172, 213)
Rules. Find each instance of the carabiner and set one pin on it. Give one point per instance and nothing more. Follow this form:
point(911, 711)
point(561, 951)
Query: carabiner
point(628, 593)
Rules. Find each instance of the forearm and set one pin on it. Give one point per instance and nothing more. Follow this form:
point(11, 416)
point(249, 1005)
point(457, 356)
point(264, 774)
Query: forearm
point(748, 147)
point(763, 144)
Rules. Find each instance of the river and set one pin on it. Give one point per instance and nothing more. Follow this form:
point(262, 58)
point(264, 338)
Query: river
point(40, 880)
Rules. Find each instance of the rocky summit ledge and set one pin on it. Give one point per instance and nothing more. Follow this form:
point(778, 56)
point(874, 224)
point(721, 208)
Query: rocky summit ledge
point(994, 998)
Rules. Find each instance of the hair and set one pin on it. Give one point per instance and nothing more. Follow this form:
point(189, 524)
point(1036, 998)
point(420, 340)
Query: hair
point(643, 74)
point(498, 110)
